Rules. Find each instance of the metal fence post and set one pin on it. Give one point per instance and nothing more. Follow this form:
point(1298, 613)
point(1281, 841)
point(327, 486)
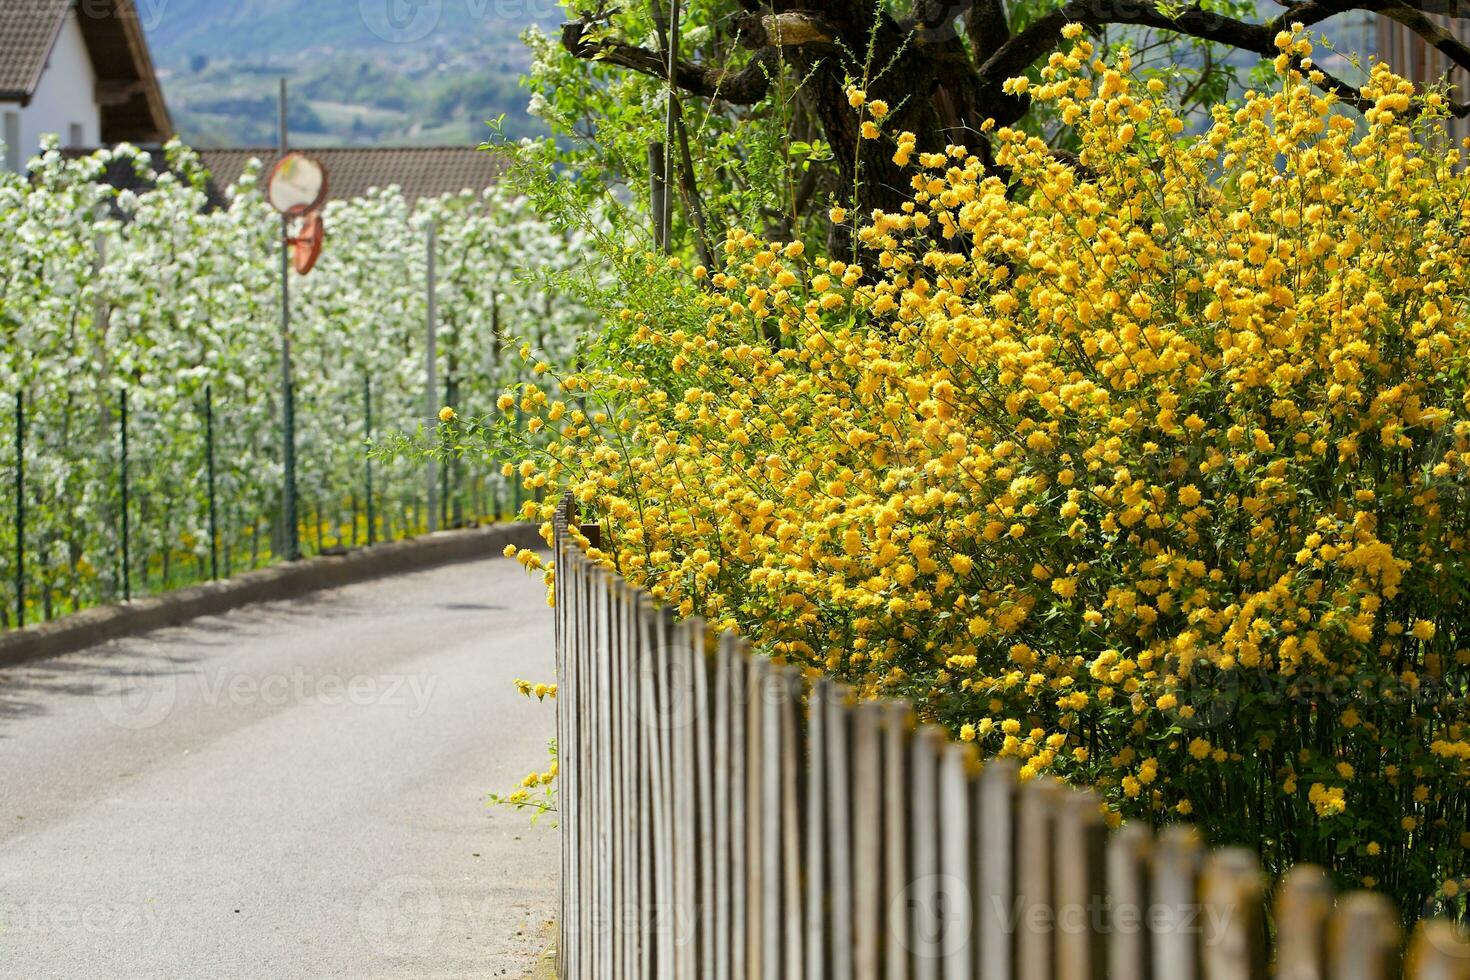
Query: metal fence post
point(431, 384)
point(367, 408)
point(127, 571)
point(209, 465)
point(20, 508)
point(291, 540)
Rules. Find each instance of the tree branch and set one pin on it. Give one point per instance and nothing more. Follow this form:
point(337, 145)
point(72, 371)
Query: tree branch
point(793, 28)
point(744, 87)
point(1013, 57)
point(1045, 33)
point(1315, 11)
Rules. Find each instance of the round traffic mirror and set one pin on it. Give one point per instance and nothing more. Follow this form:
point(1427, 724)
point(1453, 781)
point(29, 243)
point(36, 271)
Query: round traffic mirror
point(298, 184)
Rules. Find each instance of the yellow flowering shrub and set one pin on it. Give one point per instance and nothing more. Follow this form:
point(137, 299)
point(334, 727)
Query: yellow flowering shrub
point(1147, 469)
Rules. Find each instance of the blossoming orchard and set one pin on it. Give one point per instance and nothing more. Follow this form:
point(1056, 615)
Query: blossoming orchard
point(1148, 470)
point(140, 306)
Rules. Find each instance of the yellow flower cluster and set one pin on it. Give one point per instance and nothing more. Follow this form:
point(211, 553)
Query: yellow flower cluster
point(1148, 468)
point(538, 691)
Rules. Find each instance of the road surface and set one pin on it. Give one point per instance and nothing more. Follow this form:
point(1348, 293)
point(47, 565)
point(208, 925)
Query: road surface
point(293, 790)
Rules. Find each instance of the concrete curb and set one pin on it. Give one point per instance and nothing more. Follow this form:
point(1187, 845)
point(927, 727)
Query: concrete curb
point(93, 626)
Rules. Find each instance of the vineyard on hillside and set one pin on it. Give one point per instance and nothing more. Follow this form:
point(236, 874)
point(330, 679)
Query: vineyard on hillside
point(151, 314)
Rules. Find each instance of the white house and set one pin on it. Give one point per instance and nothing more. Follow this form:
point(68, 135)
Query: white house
point(79, 69)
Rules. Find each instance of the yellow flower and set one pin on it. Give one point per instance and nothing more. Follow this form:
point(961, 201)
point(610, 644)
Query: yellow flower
point(856, 97)
point(878, 108)
point(1160, 378)
point(1327, 801)
point(446, 414)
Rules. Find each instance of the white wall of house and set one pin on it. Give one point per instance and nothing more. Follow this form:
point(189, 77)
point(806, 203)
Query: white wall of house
point(64, 103)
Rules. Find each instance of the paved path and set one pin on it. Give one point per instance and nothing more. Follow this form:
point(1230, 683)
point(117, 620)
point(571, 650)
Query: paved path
point(292, 790)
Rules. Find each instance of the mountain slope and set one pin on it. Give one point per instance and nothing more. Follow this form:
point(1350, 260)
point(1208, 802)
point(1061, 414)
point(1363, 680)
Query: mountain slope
point(361, 71)
point(180, 29)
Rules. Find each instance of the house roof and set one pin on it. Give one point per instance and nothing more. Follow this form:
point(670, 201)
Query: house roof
point(28, 31)
point(128, 94)
point(420, 172)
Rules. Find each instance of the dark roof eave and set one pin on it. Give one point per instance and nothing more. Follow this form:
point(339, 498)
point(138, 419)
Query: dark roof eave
point(125, 26)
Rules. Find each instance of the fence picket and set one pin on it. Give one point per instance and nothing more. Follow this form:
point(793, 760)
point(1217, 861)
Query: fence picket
point(1232, 883)
point(679, 723)
point(628, 919)
point(644, 829)
point(818, 888)
point(652, 640)
point(561, 616)
point(702, 716)
point(1439, 952)
point(724, 802)
point(996, 840)
point(838, 726)
point(1128, 876)
point(602, 770)
point(573, 787)
point(866, 803)
point(1303, 907)
point(1080, 886)
point(925, 896)
point(740, 857)
point(789, 683)
point(770, 817)
point(1037, 806)
point(898, 727)
point(957, 761)
point(757, 860)
point(1175, 896)
point(1364, 939)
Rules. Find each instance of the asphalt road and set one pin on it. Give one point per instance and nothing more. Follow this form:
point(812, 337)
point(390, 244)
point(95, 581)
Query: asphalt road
point(291, 790)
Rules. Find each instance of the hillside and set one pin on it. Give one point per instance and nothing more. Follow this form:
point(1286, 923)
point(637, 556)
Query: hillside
point(362, 71)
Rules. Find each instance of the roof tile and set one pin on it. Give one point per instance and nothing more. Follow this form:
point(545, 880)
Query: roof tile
point(27, 31)
point(420, 172)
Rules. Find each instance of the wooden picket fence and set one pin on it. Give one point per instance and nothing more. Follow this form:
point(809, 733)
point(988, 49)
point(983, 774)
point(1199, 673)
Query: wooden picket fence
point(723, 817)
